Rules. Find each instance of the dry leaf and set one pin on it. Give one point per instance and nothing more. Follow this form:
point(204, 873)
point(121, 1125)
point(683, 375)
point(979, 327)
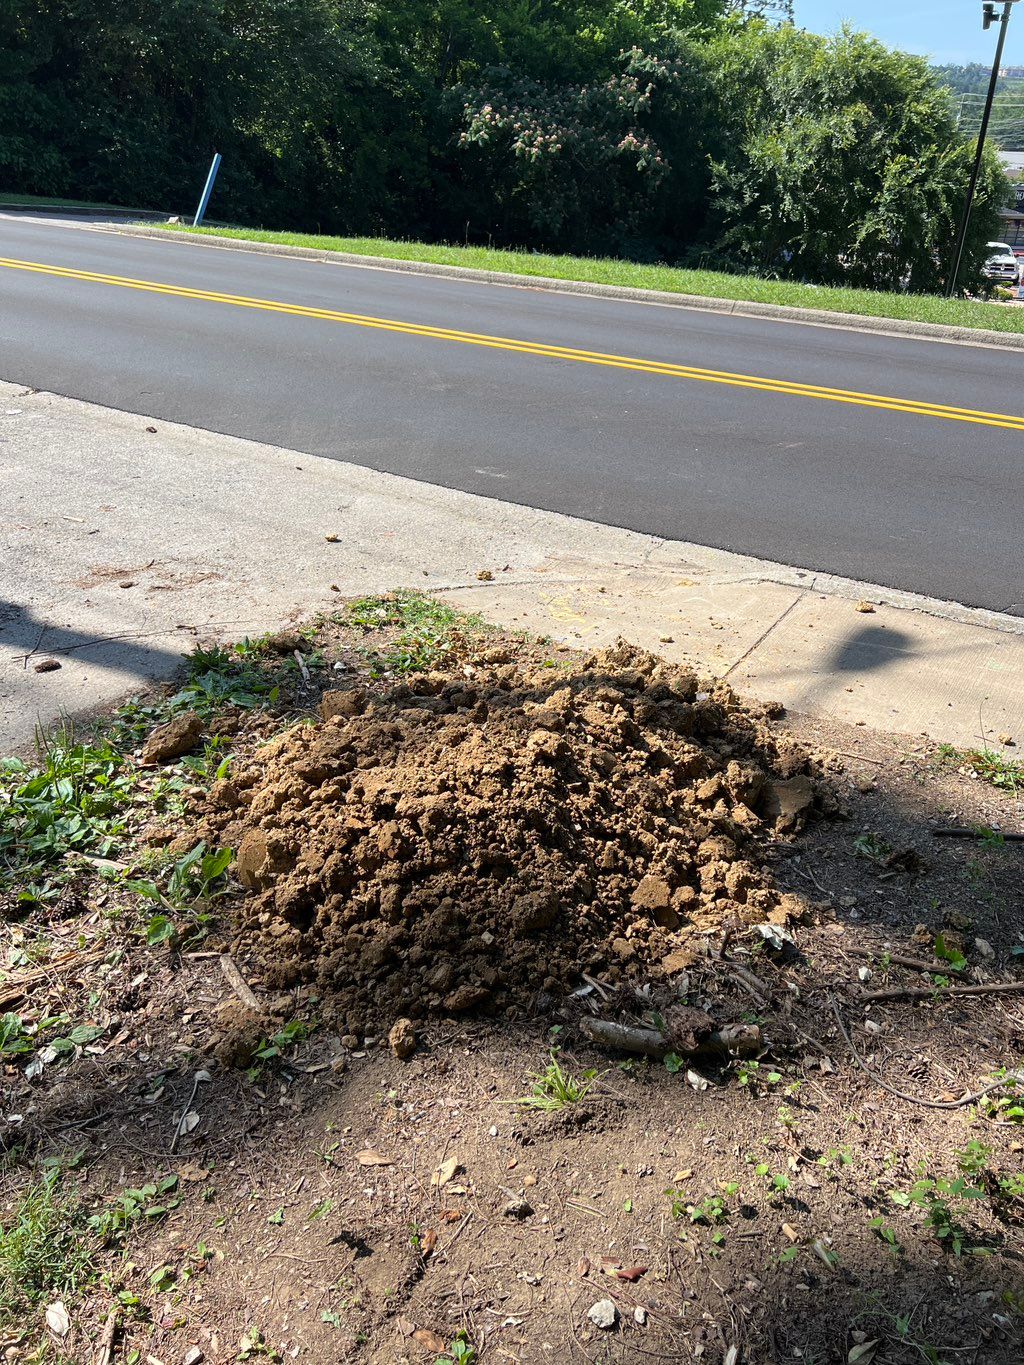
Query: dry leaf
point(862, 1354)
point(428, 1242)
point(583, 1267)
point(405, 1326)
point(190, 1171)
point(610, 1264)
point(633, 1273)
point(57, 1319)
point(429, 1340)
point(451, 1215)
point(368, 1157)
point(444, 1173)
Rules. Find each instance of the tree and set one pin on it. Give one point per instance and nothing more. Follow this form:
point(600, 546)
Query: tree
point(841, 161)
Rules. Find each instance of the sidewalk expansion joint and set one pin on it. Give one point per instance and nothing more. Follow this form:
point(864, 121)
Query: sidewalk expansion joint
point(765, 633)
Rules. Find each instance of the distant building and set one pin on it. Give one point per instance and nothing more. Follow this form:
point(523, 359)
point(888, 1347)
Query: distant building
point(1013, 215)
point(1011, 73)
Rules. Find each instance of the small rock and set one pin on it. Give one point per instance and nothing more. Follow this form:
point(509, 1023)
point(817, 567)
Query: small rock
point(179, 736)
point(604, 1314)
point(864, 606)
point(46, 666)
point(284, 642)
point(654, 895)
point(984, 948)
point(465, 998)
point(788, 803)
point(224, 795)
point(402, 1039)
point(350, 702)
point(517, 1208)
point(529, 1181)
point(193, 1356)
point(640, 1315)
point(349, 1040)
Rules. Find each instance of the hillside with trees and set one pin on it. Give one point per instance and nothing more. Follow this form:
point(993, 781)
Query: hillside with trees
point(970, 85)
point(651, 129)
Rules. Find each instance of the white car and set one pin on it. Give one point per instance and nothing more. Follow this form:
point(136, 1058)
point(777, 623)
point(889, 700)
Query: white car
point(1001, 264)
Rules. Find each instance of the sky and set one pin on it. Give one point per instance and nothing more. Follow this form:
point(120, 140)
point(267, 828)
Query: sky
point(944, 31)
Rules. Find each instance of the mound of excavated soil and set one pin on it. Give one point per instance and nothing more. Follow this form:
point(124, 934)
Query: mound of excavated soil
point(470, 839)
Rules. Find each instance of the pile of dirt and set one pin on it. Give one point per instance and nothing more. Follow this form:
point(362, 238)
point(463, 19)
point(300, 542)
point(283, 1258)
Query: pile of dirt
point(479, 838)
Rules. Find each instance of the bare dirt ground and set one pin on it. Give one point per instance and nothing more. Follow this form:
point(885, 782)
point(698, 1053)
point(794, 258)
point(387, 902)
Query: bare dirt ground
point(500, 842)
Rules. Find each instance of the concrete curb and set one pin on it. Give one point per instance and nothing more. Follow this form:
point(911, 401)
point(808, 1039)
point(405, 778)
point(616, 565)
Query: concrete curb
point(815, 317)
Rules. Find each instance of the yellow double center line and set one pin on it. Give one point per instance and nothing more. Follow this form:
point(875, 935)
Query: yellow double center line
point(536, 348)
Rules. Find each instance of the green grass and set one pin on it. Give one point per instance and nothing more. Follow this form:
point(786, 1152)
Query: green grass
point(79, 795)
point(554, 1088)
point(43, 1247)
point(991, 766)
point(428, 630)
point(75, 800)
point(671, 279)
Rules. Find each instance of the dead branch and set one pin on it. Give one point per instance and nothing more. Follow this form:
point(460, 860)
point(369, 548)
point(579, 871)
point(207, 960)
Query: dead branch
point(959, 833)
point(917, 964)
point(1016, 1078)
point(238, 983)
point(941, 992)
point(733, 1040)
point(105, 1343)
point(18, 987)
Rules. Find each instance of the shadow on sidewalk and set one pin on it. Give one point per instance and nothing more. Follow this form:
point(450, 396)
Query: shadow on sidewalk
point(29, 637)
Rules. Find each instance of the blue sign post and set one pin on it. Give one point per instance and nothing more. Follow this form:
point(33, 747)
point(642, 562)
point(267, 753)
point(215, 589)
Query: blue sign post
point(207, 190)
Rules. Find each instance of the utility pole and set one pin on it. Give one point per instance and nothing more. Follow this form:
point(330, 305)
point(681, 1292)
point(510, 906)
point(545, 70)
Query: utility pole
point(988, 13)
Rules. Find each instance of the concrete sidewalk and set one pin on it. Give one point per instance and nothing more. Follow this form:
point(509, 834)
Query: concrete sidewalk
point(127, 541)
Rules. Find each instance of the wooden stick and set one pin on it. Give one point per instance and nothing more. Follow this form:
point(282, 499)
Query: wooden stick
point(238, 983)
point(17, 987)
point(940, 992)
point(1013, 1079)
point(902, 960)
point(105, 1344)
point(977, 834)
point(734, 1038)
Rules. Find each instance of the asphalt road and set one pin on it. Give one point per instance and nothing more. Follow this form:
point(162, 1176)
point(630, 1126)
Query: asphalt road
point(828, 449)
